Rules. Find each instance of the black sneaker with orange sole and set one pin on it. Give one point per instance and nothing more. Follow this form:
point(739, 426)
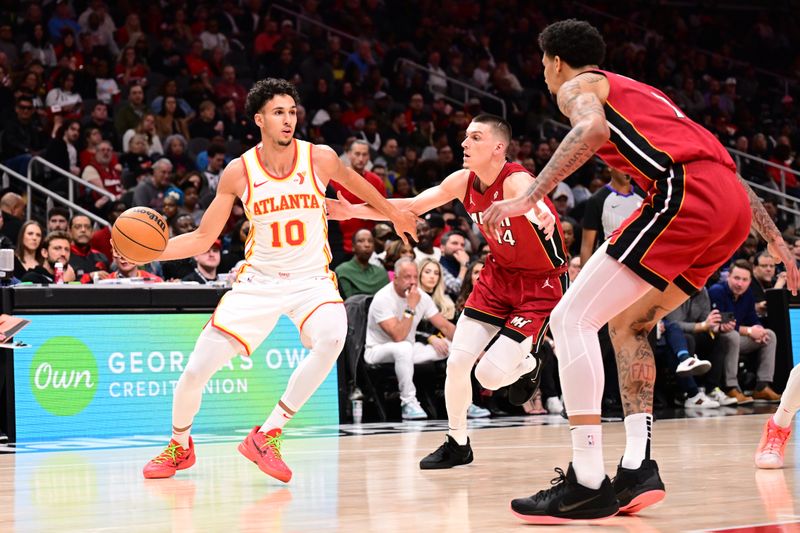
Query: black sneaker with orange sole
point(567, 500)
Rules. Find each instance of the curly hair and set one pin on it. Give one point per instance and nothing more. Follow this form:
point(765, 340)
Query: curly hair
point(576, 42)
point(265, 90)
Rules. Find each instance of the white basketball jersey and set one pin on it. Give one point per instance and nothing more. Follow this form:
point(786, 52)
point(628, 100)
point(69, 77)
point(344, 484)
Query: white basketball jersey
point(288, 227)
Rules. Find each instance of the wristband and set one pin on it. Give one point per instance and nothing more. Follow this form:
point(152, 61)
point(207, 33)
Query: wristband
point(747, 331)
point(409, 312)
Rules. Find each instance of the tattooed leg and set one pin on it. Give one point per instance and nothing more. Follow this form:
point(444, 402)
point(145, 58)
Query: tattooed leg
point(635, 363)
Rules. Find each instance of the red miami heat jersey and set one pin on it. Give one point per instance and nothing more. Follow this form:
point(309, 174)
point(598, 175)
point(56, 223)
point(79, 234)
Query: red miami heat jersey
point(650, 134)
point(520, 245)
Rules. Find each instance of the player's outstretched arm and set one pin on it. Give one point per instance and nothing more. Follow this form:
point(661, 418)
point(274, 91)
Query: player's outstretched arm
point(331, 166)
point(578, 99)
point(231, 185)
point(777, 247)
point(451, 188)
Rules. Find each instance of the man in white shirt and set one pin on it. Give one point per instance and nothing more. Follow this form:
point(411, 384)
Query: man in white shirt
point(394, 315)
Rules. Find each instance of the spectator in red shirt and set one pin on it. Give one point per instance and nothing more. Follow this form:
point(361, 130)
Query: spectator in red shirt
point(195, 60)
point(102, 171)
point(266, 40)
point(358, 153)
point(229, 88)
point(101, 239)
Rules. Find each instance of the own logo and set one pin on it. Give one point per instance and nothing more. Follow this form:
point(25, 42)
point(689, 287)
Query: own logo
point(64, 376)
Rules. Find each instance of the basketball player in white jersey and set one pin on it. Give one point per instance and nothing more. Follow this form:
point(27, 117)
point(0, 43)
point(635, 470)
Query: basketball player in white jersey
point(281, 183)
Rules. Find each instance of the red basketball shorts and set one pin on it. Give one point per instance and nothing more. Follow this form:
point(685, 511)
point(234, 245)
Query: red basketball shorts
point(518, 302)
point(686, 228)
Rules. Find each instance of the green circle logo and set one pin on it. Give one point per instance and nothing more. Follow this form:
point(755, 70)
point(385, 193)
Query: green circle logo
point(64, 376)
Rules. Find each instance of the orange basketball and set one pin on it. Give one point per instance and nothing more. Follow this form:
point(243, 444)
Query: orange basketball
point(140, 234)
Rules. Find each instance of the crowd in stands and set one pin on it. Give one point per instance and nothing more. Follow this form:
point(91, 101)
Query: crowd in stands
point(146, 101)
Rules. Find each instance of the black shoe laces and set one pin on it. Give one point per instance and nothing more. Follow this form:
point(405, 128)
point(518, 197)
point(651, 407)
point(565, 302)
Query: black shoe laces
point(558, 484)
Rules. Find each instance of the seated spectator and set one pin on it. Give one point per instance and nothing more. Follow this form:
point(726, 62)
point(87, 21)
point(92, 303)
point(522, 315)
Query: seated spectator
point(574, 268)
point(101, 238)
point(425, 248)
point(733, 296)
point(671, 345)
point(129, 114)
point(454, 260)
point(207, 264)
point(170, 209)
point(170, 88)
point(102, 172)
point(195, 60)
point(55, 249)
point(213, 39)
point(151, 189)
point(472, 275)
point(26, 255)
point(146, 127)
point(205, 125)
point(39, 48)
point(166, 59)
point(238, 237)
point(136, 163)
point(171, 119)
point(395, 250)
point(179, 268)
point(58, 219)
point(229, 88)
point(764, 278)
point(712, 340)
point(61, 98)
point(12, 209)
point(62, 151)
point(83, 258)
point(176, 151)
point(126, 270)
point(213, 171)
point(131, 69)
point(394, 315)
point(240, 128)
point(99, 119)
point(358, 276)
point(23, 136)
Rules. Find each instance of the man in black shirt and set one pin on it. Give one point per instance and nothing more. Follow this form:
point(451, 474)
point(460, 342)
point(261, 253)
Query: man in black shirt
point(207, 263)
point(55, 249)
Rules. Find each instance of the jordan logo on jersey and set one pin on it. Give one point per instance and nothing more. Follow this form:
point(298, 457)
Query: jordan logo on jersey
point(546, 283)
point(519, 322)
point(287, 201)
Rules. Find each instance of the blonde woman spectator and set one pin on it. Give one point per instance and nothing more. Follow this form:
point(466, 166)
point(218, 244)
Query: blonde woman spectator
point(26, 255)
point(147, 128)
point(430, 281)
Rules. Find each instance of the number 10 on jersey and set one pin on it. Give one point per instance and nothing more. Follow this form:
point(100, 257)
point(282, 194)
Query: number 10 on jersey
point(293, 234)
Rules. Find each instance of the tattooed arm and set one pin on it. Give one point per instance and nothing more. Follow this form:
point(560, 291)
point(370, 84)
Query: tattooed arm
point(777, 247)
point(580, 99)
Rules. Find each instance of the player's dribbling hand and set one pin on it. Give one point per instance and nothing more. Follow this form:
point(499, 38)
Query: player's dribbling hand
point(781, 253)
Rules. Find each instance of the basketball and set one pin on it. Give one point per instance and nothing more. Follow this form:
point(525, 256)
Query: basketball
point(140, 234)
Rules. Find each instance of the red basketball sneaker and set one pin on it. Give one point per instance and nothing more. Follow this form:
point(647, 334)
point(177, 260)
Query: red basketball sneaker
point(175, 457)
point(773, 441)
point(265, 451)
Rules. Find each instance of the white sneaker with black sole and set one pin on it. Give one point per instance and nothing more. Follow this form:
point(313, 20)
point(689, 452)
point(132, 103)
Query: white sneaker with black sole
point(692, 366)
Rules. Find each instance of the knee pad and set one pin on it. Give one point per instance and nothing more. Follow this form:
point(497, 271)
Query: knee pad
point(460, 362)
point(501, 361)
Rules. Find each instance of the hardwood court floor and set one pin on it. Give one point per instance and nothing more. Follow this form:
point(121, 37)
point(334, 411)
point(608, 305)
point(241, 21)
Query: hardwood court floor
point(372, 483)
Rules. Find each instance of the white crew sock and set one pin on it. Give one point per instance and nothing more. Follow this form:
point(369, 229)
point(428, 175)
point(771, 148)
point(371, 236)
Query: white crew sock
point(638, 429)
point(587, 455)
